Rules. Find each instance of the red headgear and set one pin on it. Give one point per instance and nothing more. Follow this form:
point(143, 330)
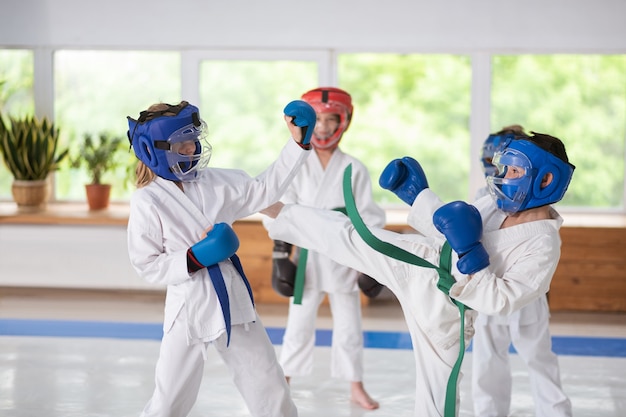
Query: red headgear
point(330, 100)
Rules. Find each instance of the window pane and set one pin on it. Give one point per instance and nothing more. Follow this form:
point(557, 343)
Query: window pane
point(410, 105)
point(242, 103)
point(95, 91)
point(16, 98)
point(581, 99)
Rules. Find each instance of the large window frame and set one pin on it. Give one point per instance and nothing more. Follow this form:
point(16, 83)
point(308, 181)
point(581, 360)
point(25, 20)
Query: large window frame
point(480, 111)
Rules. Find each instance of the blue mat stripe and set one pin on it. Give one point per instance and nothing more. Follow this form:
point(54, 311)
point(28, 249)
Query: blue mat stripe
point(562, 345)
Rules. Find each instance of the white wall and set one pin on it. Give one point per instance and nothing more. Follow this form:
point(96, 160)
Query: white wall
point(87, 257)
point(458, 26)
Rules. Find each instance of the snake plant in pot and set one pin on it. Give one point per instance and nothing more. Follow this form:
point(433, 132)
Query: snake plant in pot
point(30, 150)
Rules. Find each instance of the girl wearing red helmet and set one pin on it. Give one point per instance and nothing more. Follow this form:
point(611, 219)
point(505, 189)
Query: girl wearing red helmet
point(318, 184)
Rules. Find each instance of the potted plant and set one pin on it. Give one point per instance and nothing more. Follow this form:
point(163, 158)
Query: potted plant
point(98, 154)
point(29, 148)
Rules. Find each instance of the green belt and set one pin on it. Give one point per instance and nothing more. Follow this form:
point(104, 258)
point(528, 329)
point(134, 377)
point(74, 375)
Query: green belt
point(444, 283)
point(298, 287)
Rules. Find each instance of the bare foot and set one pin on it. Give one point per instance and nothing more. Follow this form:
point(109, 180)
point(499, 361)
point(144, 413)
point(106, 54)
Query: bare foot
point(362, 398)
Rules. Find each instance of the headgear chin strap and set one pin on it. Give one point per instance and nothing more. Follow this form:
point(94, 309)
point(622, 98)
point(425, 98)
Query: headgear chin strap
point(171, 142)
point(517, 194)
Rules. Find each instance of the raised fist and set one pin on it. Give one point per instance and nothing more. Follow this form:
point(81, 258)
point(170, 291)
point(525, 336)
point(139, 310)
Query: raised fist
point(303, 116)
point(405, 178)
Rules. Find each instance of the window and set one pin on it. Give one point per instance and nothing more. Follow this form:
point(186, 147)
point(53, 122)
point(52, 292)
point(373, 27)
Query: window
point(581, 99)
point(95, 91)
point(242, 102)
point(405, 104)
point(16, 98)
point(410, 105)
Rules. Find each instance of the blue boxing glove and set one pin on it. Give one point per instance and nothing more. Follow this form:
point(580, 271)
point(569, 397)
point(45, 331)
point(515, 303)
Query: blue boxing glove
point(220, 243)
point(405, 178)
point(462, 225)
point(303, 116)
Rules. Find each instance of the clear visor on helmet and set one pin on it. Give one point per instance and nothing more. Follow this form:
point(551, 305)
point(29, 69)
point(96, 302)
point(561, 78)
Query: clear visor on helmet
point(488, 168)
point(189, 151)
point(512, 181)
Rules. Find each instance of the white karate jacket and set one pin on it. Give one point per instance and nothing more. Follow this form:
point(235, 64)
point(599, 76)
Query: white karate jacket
point(164, 222)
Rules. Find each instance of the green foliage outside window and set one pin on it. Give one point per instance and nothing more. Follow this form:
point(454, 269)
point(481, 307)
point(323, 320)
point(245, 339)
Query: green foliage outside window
point(581, 100)
point(16, 97)
point(405, 104)
point(94, 92)
point(415, 105)
point(242, 103)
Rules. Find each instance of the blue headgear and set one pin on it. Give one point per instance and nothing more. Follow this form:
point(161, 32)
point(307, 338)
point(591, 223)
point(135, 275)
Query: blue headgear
point(164, 141)
point(495, 142)
point(517, 194)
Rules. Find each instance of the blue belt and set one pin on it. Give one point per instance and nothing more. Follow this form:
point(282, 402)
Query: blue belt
point(220, 289)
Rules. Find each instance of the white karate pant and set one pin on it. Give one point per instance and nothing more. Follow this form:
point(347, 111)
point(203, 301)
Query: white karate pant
point(250, 357)
point(491, 370)
point(346, 361)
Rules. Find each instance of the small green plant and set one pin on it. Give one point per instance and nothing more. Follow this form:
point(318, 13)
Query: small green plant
point(29, 147)
point(98, 155)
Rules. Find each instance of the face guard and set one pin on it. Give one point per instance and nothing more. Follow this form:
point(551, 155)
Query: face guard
point(330, 100)
point(494, 143)
point(189, 151)
point(172, 142)
point(516, 194)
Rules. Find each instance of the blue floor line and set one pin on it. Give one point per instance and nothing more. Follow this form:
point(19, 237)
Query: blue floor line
point(561, 345)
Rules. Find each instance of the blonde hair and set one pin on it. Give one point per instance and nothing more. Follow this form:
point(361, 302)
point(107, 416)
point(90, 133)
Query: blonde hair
point(143, 175)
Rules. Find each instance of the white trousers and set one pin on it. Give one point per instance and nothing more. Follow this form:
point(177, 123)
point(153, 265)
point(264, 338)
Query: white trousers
point(250, 357)
point(346, 361)
point(491, 370)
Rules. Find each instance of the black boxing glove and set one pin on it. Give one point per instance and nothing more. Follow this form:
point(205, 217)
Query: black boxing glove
point(283, 269)
point(370, 287)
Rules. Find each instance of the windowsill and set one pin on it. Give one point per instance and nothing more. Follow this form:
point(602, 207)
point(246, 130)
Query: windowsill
point(117, 215)
point(66, 213)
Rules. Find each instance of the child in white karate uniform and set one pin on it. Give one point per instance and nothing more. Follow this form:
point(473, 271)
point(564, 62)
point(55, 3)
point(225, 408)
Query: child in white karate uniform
point(318, 184)
point(180, 235)
point(527, 329)
point(505, 251)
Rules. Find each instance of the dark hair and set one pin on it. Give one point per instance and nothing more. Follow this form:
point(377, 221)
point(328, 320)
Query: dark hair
point(516, 130)
point(549, 143)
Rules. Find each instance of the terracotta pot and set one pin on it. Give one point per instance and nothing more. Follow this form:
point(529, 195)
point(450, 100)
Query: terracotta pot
point(98, 196)
point(30, 196)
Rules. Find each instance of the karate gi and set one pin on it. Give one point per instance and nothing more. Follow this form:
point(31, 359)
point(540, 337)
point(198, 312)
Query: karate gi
point(523, 259)
point(528, 330)
point(164, 222)
point(318, 187)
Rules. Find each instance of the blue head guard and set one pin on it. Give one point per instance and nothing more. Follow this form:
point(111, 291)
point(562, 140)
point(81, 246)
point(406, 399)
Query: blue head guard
point(494, 143)
point(517, 194)
point(172, 142)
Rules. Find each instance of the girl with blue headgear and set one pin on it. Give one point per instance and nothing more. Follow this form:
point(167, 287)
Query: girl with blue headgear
point(180, 236)
point(527, 328)
point(505, 249)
